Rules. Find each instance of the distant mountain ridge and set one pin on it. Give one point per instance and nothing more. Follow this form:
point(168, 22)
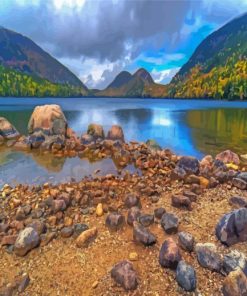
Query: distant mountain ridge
point(20, 53)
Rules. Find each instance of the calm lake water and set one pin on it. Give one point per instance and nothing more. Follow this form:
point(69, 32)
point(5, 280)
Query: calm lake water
point(188, 127)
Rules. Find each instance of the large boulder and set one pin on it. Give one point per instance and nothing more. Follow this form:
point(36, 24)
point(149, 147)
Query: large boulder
point(26, 241)
point(228, 156)
point(116, 133)
point(96, 131)
point(232, 227)
point(7, 130)
point(49, 119)
point(124, 274)
point(190, 164)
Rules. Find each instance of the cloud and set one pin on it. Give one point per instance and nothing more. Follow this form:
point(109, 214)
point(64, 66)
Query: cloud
point(164, 76)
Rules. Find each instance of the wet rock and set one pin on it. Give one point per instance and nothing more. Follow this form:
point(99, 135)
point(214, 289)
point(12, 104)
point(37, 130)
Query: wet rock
point(232, 227)
point(80, 228)
point(132, 201)
point(228, 156)
point(124, 274)
point(49, 119)
point(239, 183)
point(181, 201)
point(191, 165)
point(208, 257)
point(233, 261)
point(86, 237)
point(7, 130)
point(146, 220)
point(186, 241)
point(235, 284)
point(116, 133)
point(169, 255)
point(186, 276)
point(133, 214)
point(26, 241)
point(239, 201)
point(143, 235)
point(169, 223)
point(67, 232)
point(115, 221)
point(96, 131)
point(159, 212)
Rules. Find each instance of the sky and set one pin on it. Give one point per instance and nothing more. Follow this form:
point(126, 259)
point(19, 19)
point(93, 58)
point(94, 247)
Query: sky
point(96, 39)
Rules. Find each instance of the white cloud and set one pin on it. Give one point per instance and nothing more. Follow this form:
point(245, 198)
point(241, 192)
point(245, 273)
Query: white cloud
point(164, 76)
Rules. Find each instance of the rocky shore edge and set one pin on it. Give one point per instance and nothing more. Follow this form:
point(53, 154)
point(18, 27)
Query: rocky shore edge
point(32, 216)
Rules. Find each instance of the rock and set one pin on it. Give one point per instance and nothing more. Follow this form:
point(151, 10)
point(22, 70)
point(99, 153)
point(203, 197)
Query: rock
point(7, 130)
point(178, 174)
point(146, 220)
point(153, 145)
point(239, 183)
point(239, 201)
point(193, 179)
point(143, 235)
point(23, 282)
point(186, 276)
point(133, 256)
point(49, 119)
point(80, 228)
point(191, 195)
point(133, 214)
point(38, 226)
point(124, 274)
point(242, 176)
point(9, 240)
point(116, 133)
point(87, 139)
point(169, 255)
point(204, 182)
point(235, 284)
point(181, 201)
point(67, 232)
point(47, 237)
point(36, 139)
point(159, 212)
point(86, 237)
point(191, 165)
point(186, 241)
point(232, 227)
point(228, 156)
point(233, 261)
point(169, 223)
point(99, 210)
point(26, 241)
point(132, 201)
point(58, 205)
point(96, 131)
point(207, 162)
point(115, 221)
point(208, 257)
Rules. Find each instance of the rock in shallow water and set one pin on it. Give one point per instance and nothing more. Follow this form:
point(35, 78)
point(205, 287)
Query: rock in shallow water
point(26, 241)
point(186, 276)
point(169, 255)
point(232, 227)
point(124, 274)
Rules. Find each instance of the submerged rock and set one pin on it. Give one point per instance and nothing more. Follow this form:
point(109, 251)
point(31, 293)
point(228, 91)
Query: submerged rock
point(186, 276)
point(232, 227)
point(49, 119)
point(124, 274)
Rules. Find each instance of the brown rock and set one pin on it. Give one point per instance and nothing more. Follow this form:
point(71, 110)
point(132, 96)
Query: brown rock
point(235, 284)
point(169, 254)
point(116, 133)
point(86, 237)
point(228, 156)
point(7, 130)
point(180, 201)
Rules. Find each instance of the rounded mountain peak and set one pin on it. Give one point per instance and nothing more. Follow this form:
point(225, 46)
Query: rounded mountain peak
point(144, 75)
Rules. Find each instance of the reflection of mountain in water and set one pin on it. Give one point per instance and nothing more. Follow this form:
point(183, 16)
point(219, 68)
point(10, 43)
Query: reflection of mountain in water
point(218, 129)
point(48, 161)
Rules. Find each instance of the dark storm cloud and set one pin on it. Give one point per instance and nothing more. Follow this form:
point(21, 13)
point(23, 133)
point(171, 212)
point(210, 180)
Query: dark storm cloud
point(99, 29)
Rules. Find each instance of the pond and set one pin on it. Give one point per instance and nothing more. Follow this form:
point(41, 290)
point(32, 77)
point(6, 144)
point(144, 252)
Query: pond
point(188, 127)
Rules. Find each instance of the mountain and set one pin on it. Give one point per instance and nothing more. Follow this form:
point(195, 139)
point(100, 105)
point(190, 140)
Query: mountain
point(21, 54)
point(218, 66)
point(140, 84)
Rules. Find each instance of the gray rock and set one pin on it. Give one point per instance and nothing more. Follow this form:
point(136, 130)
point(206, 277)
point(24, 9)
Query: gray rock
point(186, 241)
point(233, 261)
point(239, 183)
point(186, 276)
point(124, 274)
point(191, 165)
point(239, 201)
point(169, 223)
point(133, 214)
point(242, 176)
point(159, 212)
point(114, 221)
point(38, 226)
point(235, 284)
point(232, 227)
point(143, 235)
point(26, 241)
point(67, 232)
point(132, 201)
point(146, 220)
point(208, 257)
point(169, 255)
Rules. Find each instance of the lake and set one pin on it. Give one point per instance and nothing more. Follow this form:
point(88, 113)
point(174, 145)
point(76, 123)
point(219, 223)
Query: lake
point(188, 127)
